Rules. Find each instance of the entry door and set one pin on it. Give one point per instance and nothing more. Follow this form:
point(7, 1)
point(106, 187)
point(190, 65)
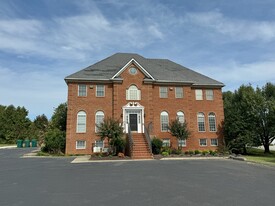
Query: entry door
point(133, 122)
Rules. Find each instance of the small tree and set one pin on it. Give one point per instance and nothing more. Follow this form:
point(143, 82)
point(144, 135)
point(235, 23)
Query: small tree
point(55, 141)
point(179, 130)
point(111, 129)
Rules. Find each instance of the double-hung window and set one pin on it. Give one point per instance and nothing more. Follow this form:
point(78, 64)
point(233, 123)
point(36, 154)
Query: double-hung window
point(163, 92)
point(182, 143)
point(201, 122)
point(179, 92)
point(212, 122)
point(133, 93)
point(82, 90)
point(203, 142)
point(81, 122)
point(80, 144)
point(164, 120)
point(100, 90)
point(214, 142)
point(180, 117)
point(99, 116)
point(166, 142)
point(209, 94)
point(199, 95)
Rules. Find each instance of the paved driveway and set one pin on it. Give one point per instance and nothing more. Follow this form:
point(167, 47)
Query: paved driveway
point(55, 181)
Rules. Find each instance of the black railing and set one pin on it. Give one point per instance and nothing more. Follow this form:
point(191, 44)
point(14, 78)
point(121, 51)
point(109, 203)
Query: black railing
point(147, 135)
point(130, 141)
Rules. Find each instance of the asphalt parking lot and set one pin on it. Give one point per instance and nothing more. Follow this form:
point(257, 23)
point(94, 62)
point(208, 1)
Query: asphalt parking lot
point(55, 181)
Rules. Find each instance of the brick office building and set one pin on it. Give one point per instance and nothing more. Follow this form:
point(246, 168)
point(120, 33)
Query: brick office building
point(142, 93)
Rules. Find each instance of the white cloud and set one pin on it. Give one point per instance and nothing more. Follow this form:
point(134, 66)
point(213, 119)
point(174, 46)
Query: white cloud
point(236, 28)
point(38, 91)
point(234, 74)
point(75, 36)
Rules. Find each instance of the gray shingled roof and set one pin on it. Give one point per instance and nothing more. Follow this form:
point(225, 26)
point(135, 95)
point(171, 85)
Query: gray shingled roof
point(162, 70)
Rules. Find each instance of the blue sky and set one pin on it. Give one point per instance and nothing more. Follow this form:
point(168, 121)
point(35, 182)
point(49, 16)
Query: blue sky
point(41, 42)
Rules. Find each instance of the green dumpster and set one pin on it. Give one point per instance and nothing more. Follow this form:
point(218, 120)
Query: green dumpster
point(19, 143)
point(27, 143)
point(34, 143)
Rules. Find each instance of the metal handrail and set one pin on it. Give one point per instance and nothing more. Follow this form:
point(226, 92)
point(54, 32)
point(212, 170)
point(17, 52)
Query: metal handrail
point(147, 135)
point(130, 139)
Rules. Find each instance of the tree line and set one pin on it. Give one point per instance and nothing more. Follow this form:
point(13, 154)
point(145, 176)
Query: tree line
point(15, 124)
point(249, 121)
point(249, 117)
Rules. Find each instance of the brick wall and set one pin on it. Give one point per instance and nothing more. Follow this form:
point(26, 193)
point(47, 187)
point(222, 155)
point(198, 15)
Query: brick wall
point(115, 99)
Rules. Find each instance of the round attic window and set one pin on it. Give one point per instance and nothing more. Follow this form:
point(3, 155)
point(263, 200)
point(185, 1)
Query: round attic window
point(133, 70)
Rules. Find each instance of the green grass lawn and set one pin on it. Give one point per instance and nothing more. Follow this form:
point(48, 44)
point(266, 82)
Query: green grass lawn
point(3, 145)
point(258, 156)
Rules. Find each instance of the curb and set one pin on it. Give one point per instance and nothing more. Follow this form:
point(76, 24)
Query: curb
point(237, 158)
point(8, 147)
point(194, 158)
point(86, 159)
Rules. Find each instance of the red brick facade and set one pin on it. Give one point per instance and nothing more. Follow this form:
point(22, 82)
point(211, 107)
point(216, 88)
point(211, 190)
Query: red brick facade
point(115, 99)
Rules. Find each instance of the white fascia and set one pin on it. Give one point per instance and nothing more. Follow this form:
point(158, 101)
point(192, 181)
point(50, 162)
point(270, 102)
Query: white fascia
point(128, 63)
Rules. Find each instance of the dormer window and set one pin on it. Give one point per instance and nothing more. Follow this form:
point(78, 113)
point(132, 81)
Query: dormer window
point(133, 93)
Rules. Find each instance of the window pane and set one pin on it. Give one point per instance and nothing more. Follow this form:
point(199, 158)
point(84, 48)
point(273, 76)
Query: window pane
point(166, 142)
point(82, 90)
point(133, 93)
point(179, 92)
point(203, 142)
point(180, 117)
point(209, 94)
point(81, 122)
point(214, 142)
point(164, 119)
point(201, 124)
point(99, 143)
point(212, 122)
point(100, 90)
point(198, 93)
point(98, 119)
point(182, 143)
point(163, 92)
point(80, 144)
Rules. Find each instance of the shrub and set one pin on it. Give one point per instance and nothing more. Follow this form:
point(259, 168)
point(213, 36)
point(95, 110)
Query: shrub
point(204, 152)
point(176, 151)
point(191, 152)
point(197, 152)
point(165, 154)
point(167, 149)
point(186, 152)
point(55, 141)
point(119, 145)
point(156, 145)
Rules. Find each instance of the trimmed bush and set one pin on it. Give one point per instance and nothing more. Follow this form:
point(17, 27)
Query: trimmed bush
point(205, 152)
point(55, 141)
point(165, 154)
point(197, 152)
point(191, 152)
point(156, 145)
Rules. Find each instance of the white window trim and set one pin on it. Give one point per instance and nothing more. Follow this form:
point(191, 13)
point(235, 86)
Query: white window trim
point(77, 128)
point(161, 121)
point(97, 114)
point(128, 96)
point(214, 144)
point(97, 90)
point(184, 143)
point(168, 141)
point(207, 96)
point(78, 91)
point(200, 142)
point(203, 122)
point(181, 92)
point(215, 123)
point(199, 97)
point(161, 93)
point(77, 147)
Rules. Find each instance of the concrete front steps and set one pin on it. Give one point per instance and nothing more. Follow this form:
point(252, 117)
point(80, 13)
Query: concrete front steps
point(141, 148)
